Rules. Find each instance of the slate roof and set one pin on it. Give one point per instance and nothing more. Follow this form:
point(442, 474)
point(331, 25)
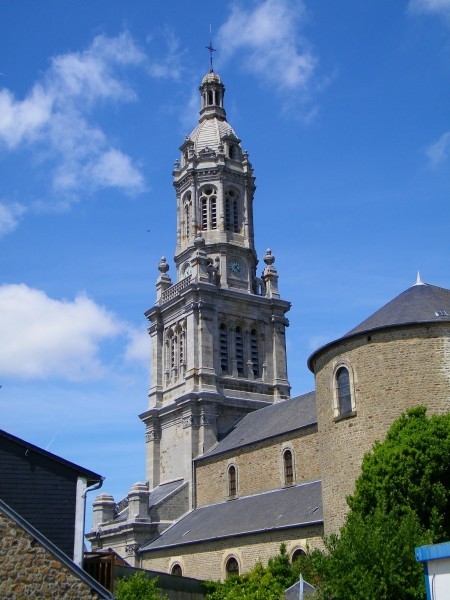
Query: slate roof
point(209, 134)
point(280, 509)
point(421, 303)
point(56, 552)
point(268, 422)
point(80, 471)
point(156, 496)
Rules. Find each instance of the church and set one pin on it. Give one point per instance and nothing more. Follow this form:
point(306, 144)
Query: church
point(235, 465)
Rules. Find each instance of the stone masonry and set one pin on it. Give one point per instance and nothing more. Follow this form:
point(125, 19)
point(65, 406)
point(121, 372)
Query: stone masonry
point(259, 467)
point(28, 570)
point(393, 370)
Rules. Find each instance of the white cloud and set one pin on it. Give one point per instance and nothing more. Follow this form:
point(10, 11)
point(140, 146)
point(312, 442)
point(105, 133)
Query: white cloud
point(55, 116)
point(438, 152)
point(138, 348)
point(269, 44)
point(437, 7)
point(43, 337)
point(10, 216)
point(170, 66)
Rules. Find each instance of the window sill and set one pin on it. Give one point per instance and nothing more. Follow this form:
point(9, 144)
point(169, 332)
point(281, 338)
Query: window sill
point(349, 415)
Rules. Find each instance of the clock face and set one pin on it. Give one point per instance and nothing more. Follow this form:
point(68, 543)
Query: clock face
point(235, 267)
point(187, 271)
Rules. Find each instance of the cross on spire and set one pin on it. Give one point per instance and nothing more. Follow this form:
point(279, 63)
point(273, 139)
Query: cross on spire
point(211, 50)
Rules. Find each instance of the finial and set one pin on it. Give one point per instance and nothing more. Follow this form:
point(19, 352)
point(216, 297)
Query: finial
point(419, 279)
point(269, 259)
point(211, 50)
point(163, 266)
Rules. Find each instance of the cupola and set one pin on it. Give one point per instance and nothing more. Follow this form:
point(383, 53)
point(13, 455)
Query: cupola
point(212, 91)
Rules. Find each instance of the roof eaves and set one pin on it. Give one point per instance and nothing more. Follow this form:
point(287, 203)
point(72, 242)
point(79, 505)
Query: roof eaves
point(232, 535)
point(90, 475)
point(362, 332)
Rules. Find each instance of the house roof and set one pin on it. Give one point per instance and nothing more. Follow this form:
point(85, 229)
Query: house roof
point(421, 303)
point(80, 471)
point(268, 422)
point(56, 552)
point(285, 508)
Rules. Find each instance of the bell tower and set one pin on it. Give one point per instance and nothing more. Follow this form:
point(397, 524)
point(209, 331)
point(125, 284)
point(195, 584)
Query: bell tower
point(218, 330)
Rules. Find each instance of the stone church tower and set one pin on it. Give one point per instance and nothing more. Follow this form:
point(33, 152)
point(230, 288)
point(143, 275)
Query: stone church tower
point(218, 331)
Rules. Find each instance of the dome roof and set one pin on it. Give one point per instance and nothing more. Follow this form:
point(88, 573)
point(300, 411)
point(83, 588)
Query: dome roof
point(421, 303)
point(209, 133)
point(211, 77)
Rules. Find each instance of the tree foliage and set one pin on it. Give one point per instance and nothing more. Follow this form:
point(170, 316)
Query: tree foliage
point(401, 501)
point(261, 583)
point(373, 559)
point(138, 587)
point(409, 471)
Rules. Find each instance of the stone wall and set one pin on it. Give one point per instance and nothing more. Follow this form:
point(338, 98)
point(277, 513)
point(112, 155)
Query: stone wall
point(392, 370)
point(207, 560)
point(259, 467)
point(28, 570)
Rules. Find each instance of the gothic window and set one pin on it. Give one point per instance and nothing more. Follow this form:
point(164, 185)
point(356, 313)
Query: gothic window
point(232, 567)
point(344, 396)
point(239, 349)
point(208, 203)
point(288, 467)
point(223, 341)
point(254, 351)
point(232, 481)
point(177, 570)
point(232, 216)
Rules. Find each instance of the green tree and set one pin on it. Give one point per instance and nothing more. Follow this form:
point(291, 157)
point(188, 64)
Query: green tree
point(138, 587)
point(401, 500)
point(409, 471)
point(373, 559)
point(261, 583)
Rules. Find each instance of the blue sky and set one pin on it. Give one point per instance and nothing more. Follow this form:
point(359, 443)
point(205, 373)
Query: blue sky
point(344, 109)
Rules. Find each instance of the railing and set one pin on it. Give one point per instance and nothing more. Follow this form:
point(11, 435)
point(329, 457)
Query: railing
point(175, 289)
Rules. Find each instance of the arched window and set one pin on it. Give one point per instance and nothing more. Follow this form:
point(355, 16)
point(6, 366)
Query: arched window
point(288, 467)
point(343, 390)
point(297, 554)
point(239, 347)
point(210, 97)
point(232, 567)
point(232, 217)
point(254, 351)
point(187, 215)
point(181, 348)
point(208, 203)
point(232, 481)
point(173, 351)
point(177, 570)
point(223, 335)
